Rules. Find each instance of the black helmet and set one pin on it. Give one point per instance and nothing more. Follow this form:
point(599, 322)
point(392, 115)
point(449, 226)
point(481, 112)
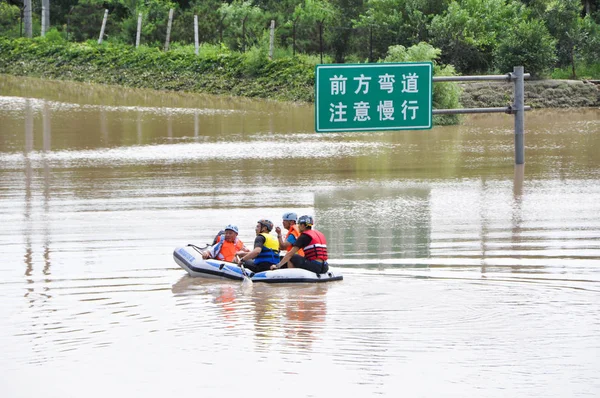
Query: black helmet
point(306, 220)
point(267, 224)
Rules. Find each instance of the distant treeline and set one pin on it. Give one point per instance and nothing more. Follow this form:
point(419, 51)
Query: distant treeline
point(475, 36)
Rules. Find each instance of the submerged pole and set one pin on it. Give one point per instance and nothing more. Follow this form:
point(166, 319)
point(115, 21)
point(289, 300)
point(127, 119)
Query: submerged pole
point(519, 112)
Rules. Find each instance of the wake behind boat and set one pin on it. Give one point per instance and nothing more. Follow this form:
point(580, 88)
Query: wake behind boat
point(189, 258)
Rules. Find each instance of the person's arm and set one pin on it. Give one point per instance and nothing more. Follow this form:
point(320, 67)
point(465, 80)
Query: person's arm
point(258, 245)
point(251, 255)
point(283, 245)
point(286, 258)
point(209, 252)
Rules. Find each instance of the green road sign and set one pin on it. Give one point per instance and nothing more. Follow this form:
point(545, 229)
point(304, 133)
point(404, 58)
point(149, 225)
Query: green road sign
point(373, 97)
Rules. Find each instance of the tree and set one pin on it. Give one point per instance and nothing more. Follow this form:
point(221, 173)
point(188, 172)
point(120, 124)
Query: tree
point(445, 95)
point(309, 20)
point(528, 44)
point(468, 32)
point(340, 35)
point(245, 23)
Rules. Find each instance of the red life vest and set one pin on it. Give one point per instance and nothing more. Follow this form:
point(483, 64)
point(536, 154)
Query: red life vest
point(317, 248)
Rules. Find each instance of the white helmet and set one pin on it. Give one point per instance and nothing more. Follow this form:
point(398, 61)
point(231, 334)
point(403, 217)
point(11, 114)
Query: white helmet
point(290, 217)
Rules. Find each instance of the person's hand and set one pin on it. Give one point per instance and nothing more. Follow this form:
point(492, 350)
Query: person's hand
point(275, 266)
point(278, 230)
point(205, 255)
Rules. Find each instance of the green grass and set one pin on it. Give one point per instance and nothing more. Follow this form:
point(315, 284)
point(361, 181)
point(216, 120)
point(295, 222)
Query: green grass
point(583, 72)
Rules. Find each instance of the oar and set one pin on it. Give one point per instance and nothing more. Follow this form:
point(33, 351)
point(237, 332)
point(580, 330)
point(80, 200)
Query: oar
point(246, 281)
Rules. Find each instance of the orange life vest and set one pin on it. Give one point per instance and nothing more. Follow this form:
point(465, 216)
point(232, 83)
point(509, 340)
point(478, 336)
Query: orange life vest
point(228, 249)
point(294, 231)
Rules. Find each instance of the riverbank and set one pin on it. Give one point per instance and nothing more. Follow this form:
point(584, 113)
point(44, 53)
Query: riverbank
point(538, 94)
point(221, 72)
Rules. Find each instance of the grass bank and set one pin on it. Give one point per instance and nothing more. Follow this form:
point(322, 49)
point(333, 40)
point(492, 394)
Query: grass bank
point(217, 70)
point(214, 71)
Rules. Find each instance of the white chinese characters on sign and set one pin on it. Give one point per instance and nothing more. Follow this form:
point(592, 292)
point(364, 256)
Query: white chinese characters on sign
point(409, 83)
point(412, 106)
point(339, 112)
point(338, 84)
point(361, 110)
point(386, 82)
point(386, 110)
point(362, 81)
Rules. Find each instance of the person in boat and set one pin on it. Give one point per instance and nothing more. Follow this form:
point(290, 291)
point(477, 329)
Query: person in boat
point(289, 223)
point(226, 246)
point(266, 249)
point(313, 243)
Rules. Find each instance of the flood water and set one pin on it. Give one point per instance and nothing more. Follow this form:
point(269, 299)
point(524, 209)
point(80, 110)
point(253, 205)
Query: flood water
point(464, 275)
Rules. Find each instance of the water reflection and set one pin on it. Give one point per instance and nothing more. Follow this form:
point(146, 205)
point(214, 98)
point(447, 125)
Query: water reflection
point(378, 222)
point(280, 315)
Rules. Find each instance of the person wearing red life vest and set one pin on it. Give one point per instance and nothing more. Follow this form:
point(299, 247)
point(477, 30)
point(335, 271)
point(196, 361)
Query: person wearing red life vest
point(314, 245)
point(226, 246)
point(289, 223)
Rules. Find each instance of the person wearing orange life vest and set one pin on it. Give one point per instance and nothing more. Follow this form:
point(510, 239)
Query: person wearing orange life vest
point(226, 247)
point(266, 249)
point(315, 249)
point(289, 223)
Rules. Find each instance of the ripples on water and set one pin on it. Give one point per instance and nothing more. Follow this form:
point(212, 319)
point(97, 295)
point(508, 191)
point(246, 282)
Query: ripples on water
point(463, 276)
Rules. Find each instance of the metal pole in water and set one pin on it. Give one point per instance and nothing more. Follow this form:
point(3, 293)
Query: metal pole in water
point(519, 112)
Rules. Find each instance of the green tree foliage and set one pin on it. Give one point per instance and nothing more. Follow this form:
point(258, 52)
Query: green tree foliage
point(309, 17)
point(390, 22)
point(468, 32)
point(528, 44)
point(245, 24)
point(589, 48)
point(445, 95)
point(340, 35)
point(474, 35)
point(9, 17)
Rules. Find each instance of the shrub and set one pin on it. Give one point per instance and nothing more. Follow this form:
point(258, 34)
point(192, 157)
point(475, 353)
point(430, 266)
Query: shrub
point(445, 95)
point(528, 44)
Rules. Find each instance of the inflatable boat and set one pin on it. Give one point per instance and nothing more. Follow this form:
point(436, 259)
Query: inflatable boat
point(189, 258)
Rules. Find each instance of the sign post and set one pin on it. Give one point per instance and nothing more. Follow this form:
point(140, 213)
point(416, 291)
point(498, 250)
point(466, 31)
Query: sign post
point(373, 97)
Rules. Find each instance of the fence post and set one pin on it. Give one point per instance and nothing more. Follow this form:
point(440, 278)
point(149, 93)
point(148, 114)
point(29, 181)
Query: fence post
point(271, 39)
point(139, 31)
point(321, 38)
point(45, 17)
point(27, 18)
point(196, 44)
point(519, 112)
point(169, 24)
point(103, 26)
point(244, 34)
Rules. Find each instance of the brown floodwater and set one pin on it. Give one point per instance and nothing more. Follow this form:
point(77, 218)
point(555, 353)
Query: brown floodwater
point(464, 275)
